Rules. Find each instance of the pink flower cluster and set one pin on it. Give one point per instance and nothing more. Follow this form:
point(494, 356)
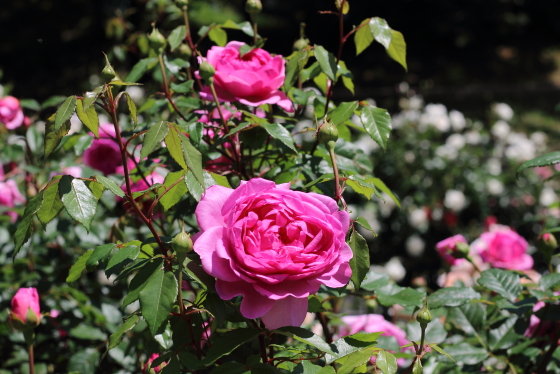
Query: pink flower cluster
point(272, 245)
point(11, 114)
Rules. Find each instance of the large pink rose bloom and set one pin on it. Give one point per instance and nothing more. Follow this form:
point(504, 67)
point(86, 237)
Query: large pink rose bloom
point(104, 153)
point(503, 248)
point(272, 245)
point(23, 300)
point(11, 114)
point(448, 247)
point(252, 79)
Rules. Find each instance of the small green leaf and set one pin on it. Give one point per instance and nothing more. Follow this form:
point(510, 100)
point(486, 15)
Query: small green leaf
point(218, 36)
point(469, 317)
point(157, 299)
point(139, 69)
point(363, 37)
point(65, 111)
point(452, 296)
point(377, 123)
point(176, 37)
point(343, 112)
point(504, 336)
point(545, 160)
point(53, 137)
point(83, 362)
point(175, 148)
point(350, 344)
point(88, 117)
point(53, 101)
point(346, 76)
point(141, 279)
point(132, 109)
point(153, 138)
point(184, 87)
point(52, 204)
point(176, 193)
point(504, 282)
point(397, 49)
point(116, 338)
point(417, 367)
point(30, 104)
point(549, 281)
point(355, 360)
point(90, 97)
point(381, 31)
point(25, 227)
point(110, 184)
point(193, 159)
point(386, 362)
point(326, 61)
point(277, 131)
point(77, 269)
point(408, 296)
point(79, 201)
point(306, 337)
point(294, 67)
point(121, 258)
point(360, 261)
point(225, 344)
point(364, 223)
point(100, 253)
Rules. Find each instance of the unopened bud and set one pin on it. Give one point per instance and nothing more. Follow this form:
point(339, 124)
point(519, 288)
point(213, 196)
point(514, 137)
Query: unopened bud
point(253, 6)
point(547, 244)
point(207, 71)
point(157, 41)
point(182, 243)
point(185, 51)
point(181, 3)
point(462, 251)
point(424, 316)
point(108, 73)
point(327, 132)
point(302, 42)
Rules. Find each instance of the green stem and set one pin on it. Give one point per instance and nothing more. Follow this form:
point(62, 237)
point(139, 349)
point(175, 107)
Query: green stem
point(337, 193)
point(254, 20)
point(29, 336)
point(166, 88)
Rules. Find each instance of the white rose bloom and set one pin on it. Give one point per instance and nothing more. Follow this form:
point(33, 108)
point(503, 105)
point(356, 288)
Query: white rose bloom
point(521, 148)
point(548, 197)
point(456, 141)
point(495, 187)
point(418, 219)
point(435, 115)
point(503, 111)
point(455, 200)
point(395, 269)
point(447, 152)
point(458, 121)
point(500, 129)
point(473, 137)
point(539, 138)
point(409, 157)
point(415, 102)
point(494, 166)
point(415, 246)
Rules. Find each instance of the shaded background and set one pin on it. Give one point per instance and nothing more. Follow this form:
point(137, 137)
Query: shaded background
point(464, 54)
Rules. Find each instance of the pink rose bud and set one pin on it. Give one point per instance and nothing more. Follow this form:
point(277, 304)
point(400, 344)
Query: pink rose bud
point(25, 313)
point(11, 113)
point(449, 251)
point(252, 79)
point(272, 245)
point(503, 248)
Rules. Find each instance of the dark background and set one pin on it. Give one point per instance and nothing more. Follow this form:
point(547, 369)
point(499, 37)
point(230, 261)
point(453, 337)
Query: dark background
point(463, 53)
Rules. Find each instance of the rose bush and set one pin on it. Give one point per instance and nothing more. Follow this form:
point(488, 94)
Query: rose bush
point(11, 113)
point(252, 79)
point(272, 245)
point(503, 248)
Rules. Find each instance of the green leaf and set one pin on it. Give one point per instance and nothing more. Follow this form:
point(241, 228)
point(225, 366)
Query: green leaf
point(52, 136)
point(141, 279)
point(153, 138)
point(441, 351)
point(87, 332)
point(364, 223)
point(545, 160)
point(88, 117)
point(549, 281)
point(469, 317)
point(219, 179)
point(25, 227)
point(504, 282)
point(375, 280)
point(84, 362)
point(226, 343)
point(381, 31)
point(79, 201)
point(377, 123)
point(386, 362)
point(77, 269)
point(343, 112)
point(193, 159)
point(65, 111)
point(379, 184)
point(184, 87)
point(326, 61)
point(360, 260)
point(30, 104)
point(175, 148)
point(355, 360)
point(350, 344)
point(176, 193)
point(294, 67)
point(452, 296)
point(504, 336)
point(164, 339)
point(132, 109)
point(417, 367)
point(52, 205)
point(363, 37)
point(123, 257)
point(277, 131)
point(218, 36)
point(90, 97)
point(397, 49)
point(157, 299)
point(116, 338)
point(110, 184)
point(139, 69)
point(100, 253)
point(306, 337)
point(408, 296)
point(176, 37)
point(53, 101)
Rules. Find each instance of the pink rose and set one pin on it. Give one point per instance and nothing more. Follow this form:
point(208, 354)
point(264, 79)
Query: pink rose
point(448, 247)
point(146, 369)
point(26, 312)
point(272, 245)
point(252, 79)
point(104, 153)
point(11, 113)
point(503, 248)
point(10, 196)
point(372, 323)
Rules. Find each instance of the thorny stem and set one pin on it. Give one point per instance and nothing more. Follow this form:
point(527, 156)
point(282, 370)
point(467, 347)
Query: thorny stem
point(191, 44)
point(166, 88)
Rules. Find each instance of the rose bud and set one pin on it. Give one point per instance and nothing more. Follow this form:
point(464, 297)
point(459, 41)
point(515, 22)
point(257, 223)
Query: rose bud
point(327, 132)
point(157, 41)
point(547, 244)
point(182, 243)
point(207, 72)
point(253, 6)
point(26, 312)
point(108, 73)
point(302, 42)
point(424, 316)
point(185, 51)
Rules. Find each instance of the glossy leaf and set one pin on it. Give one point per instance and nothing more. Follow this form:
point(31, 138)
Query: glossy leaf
point(363, 37)
point(355, 360)
point(141, 279)
point(408, 296)
point(360, 260)
point(381, 31)
point(504, 336)
point(306, 337)
point(157, 299)
point(90, 97)
point(54, 137)
point(193, 158)
point(549, 281)
point(175, 193)
point(52, 204)
point(139, 69)
point(504, 282)
point(79, 266)
point(294, 67)
point(452, 296)
point(184, 87)
point(346, 76)
point(100, 253)
point(175, 148)
point(326, 61)
point(153, 138)
point(132, 109)
point(176, 37)
point(65, 111)
point(121, 258)
point(227, 342)
point(277, 131)
point(386, 362)
point(116, 338)
point(88, 117)
point(79, 201)
point(469, 317)
point(25, 227)
point(350, 344)
point(545, 160)
point(218, 36)
point(377, 123)
point(343, 112)
point(397, 49)
point(110, 184)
